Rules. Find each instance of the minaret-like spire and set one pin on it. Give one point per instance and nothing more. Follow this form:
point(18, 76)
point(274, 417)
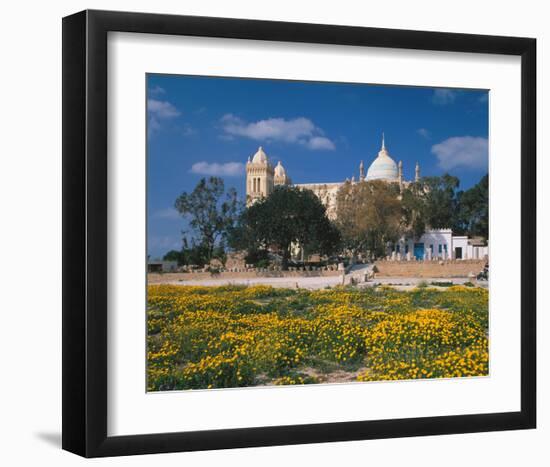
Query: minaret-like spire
point(417, 173)
point(361, 171)
point(383, 141)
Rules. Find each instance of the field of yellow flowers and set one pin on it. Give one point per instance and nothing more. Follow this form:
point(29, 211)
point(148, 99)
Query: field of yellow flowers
point(233, 336)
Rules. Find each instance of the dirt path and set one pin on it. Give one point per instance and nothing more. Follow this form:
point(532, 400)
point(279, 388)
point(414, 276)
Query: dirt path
point(312, 283)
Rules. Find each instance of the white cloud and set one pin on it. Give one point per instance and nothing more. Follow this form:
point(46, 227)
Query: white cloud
point(424, 133)
point(320, 142)
point(188, 130)
point(167, 213)
point(154, 125)
point(299, 130)
point(228, 169)
point(156, 91)
point(462, 151)
point(444, 96)
point(159, 111)
point(162, 109)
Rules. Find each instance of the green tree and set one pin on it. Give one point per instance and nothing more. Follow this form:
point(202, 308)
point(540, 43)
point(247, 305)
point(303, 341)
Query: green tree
point(211, 212)
point(440, 198)
point(473, 210)
point(287, 216)
point(369, 216)
point(414, 210)
point(175, 255)
point(195, 253)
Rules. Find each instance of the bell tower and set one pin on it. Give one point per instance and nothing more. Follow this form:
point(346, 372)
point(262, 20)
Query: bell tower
point(281, 177)
point(259, 177)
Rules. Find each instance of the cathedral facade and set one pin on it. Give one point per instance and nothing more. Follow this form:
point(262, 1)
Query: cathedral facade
point(262, 178)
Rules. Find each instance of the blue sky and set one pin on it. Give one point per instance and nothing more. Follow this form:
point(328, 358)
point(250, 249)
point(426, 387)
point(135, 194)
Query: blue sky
point(200, 126)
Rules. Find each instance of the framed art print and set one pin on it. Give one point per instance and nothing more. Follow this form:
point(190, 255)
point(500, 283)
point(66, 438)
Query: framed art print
point(281, 233)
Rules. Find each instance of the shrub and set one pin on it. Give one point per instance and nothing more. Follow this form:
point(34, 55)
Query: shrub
point(263, 263)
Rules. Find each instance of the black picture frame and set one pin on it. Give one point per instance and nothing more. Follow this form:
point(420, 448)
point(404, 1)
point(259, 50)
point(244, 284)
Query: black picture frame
point(85, 198)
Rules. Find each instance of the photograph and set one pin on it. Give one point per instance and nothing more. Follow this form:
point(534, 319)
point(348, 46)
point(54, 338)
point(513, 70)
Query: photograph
point(314, 232)
point(275, 234)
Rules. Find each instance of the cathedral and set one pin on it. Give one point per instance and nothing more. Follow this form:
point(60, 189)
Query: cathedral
point(262, 178)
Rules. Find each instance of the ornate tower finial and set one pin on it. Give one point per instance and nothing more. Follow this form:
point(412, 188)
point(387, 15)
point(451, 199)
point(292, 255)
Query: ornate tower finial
point(361, 171)
point(383, 141)
point(417, 173)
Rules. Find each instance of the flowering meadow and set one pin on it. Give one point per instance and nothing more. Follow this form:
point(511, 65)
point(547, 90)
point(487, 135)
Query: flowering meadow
point(236, 336)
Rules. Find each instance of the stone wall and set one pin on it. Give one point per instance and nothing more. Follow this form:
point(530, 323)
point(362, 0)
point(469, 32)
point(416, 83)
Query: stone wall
point(432, 269)
point(155, 278)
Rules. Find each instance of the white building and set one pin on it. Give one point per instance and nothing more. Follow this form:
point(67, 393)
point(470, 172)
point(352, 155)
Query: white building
point(262, 177)
point(440, 244)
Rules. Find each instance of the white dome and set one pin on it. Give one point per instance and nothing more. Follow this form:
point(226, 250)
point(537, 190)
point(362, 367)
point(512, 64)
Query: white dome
point(280, 170)
point(260, 157)
point(383, 167)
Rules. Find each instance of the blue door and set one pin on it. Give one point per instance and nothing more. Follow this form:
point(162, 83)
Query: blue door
point(419, 251)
